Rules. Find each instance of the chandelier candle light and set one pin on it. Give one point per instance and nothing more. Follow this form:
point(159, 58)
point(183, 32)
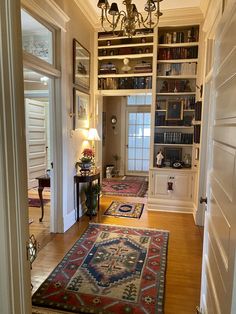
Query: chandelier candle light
point(128, 21)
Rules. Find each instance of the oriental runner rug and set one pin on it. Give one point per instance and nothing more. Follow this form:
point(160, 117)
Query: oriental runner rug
point(110, 269)
point(128, 210)
point(124, 187)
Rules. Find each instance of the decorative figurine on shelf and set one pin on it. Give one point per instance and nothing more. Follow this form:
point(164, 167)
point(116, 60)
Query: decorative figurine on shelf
point(126, 68)
point(159, 159)
point(164, 87)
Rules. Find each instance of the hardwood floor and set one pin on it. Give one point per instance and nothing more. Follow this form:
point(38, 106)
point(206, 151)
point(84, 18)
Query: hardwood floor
point(184, 251)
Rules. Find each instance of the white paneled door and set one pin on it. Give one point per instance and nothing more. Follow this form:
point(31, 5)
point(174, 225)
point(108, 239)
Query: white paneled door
point(138, 142)
point(219, 273)
point(36, 139)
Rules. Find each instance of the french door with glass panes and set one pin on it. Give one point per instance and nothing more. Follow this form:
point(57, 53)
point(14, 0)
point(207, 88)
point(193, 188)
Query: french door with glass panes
point(138, 141)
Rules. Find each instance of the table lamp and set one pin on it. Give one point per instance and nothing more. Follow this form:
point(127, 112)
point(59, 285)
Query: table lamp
point(93, 136)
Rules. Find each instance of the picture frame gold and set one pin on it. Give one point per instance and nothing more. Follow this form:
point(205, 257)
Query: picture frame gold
point(174, 110)
point(80, 109)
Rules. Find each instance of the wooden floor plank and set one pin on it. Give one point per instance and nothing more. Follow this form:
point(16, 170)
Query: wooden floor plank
point(184, 250)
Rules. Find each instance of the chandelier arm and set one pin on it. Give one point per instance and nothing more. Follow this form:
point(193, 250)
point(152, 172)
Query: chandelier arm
point(127, 21)
point(144, 21)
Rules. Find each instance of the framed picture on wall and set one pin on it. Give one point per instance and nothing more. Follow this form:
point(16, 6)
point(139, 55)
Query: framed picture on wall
point(81, 67)
point(174, 110)
point(80, 109)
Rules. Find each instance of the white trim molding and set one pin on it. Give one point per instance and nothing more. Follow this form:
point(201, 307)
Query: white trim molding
point(49, 11)
point(15, 291)
point(88, 11)
point(183, 16)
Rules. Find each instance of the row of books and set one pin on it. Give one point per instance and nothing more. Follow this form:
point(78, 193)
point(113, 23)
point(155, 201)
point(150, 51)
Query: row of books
point(125, 83)
point(108, 68)
point(198, 111)
point(168, 69)
point(178, 53)
point(173, 138)
point(197, 133)
point(188, 35)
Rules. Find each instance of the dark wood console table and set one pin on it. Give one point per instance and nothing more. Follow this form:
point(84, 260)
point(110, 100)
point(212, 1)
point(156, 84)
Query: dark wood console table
point(89, 178)
point(43, 181)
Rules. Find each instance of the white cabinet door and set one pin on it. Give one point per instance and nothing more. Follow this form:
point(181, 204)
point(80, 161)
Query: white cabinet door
point(183, 186)
point(160, 184)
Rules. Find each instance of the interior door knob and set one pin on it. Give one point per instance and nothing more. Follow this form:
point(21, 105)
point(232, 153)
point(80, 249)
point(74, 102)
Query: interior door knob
point(203, 200)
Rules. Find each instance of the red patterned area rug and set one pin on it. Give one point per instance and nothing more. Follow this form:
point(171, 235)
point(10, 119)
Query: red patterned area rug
point(128, 210)
point(110, 270)
point(124, 188)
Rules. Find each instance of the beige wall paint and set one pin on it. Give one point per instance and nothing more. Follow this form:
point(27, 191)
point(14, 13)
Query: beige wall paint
point(73, 141)
point(114, 143)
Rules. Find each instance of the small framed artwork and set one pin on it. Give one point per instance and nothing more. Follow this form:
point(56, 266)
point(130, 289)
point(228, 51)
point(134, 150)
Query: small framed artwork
point(174, 110)
point(81, 67)
point(172, 154)
point(80, 109)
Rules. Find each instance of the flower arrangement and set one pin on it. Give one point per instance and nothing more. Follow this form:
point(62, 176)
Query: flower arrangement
point(88, 155)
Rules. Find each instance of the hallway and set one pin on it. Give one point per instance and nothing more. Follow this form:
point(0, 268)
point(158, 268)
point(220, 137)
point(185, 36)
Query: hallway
point(184, 252)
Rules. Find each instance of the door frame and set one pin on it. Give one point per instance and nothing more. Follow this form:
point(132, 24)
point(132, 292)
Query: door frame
point(55, 122)
point(134, 109)
point(15, 296)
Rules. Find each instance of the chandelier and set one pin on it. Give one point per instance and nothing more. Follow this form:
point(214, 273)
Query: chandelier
point(128, 21)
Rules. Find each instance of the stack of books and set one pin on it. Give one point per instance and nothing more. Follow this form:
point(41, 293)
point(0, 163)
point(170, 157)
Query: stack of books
point(108, 68)
point(143, 67)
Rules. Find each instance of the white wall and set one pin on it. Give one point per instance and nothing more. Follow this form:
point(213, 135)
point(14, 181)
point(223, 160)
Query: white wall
point(73, 141)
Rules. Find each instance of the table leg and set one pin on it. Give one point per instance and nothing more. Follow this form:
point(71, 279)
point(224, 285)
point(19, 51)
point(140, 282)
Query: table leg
point(98, 194)
point(40, 192)
point(77, 200)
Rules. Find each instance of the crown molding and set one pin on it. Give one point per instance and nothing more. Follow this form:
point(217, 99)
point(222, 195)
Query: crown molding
point(88, 11)
point(213, 13)
point(204, 4)
point(49, 11)
point(181, 16)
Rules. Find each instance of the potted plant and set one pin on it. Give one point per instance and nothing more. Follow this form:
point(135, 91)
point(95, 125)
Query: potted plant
point(86, 160)
point(92, 193)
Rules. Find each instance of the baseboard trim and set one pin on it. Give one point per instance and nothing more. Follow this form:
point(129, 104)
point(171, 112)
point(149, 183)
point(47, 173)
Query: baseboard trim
point(170, 206)
point(69, 220)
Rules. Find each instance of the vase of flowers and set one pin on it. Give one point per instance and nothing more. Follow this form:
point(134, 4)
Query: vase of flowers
point(86, 161)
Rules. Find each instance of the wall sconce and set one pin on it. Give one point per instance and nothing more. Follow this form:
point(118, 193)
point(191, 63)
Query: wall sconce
point(113, 121)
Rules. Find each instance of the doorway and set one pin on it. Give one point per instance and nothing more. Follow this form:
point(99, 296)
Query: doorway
point(138, 130)
point(37, 93)
point(138, 141)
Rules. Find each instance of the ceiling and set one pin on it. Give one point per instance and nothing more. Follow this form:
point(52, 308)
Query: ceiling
point(165, 4)
point(92, 12)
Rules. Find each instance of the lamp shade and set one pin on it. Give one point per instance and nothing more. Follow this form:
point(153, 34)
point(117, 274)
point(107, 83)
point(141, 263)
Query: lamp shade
point(114, 9)
point(93, 135)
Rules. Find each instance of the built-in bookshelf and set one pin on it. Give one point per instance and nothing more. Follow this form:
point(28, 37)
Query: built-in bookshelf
point(125, 63)
point(175, 122)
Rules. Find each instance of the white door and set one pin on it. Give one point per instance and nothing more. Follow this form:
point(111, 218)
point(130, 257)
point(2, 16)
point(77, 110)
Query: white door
point(138, 142)
point(218, 270)
point(36, 139)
